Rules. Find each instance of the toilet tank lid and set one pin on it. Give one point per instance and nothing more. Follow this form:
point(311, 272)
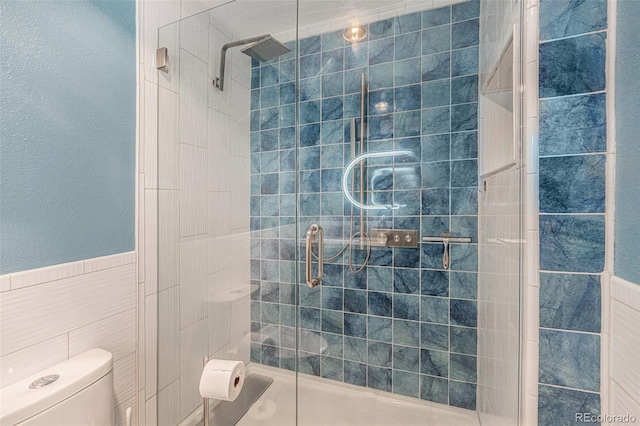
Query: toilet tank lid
point(18, 402)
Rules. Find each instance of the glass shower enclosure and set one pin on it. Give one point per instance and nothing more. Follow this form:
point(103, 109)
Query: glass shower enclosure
point(318, 213)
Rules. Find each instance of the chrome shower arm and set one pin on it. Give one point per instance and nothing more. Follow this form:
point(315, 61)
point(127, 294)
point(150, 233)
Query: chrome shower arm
point(219, 81)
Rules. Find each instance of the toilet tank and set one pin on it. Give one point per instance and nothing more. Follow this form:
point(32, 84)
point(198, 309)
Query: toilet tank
point(81, 396)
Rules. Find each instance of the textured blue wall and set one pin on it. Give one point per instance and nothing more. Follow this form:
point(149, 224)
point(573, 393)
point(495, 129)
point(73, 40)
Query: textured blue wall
point(572, 153)
point(627, 248)
point(403, 324)
point(67, 131)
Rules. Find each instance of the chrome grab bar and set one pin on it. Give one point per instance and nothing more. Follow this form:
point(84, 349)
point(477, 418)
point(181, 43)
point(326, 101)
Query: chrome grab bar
point(314, 230)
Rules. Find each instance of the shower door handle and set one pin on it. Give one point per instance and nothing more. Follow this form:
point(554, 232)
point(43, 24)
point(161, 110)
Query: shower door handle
point(314, 231)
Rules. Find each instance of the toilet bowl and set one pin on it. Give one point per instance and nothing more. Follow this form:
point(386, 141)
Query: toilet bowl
point(76, 392)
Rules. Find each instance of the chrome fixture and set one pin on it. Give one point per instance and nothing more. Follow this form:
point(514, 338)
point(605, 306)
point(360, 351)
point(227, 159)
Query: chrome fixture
point(44, 381)
point(445, 238)
point(314, 232)
point(162, 59)
point(355, 34)
point(406, 238)
point(264, 48)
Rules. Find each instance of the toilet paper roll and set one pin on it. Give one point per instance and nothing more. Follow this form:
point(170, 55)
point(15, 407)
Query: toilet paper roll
point(222, 379)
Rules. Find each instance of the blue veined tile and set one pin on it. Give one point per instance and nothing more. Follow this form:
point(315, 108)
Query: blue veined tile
point(332, 40)
point(335, 344)
point(436, 40)
point(287, 116)
point(331, 180)
point(287, 71)
point(463, 257)
point(309, 112)
point(287, 160)
point(407, 384)
point(434, 363)
point(562, 18)
point(434, 336)
point(310, 318)
point(332, 109)
point(287, 93)
point(293, 48)
point(463, 340)
point(332, 84)
point(570, 302)
point(332, 132)
point(268, 140)
point(309, 158)
point(464, 313)
point(351, 109)
point(331, 368)
point(379, 329)
point(379, 378)
point(381, 76)
point(287, 183)
point(464, 173)
point(434, 225)
point(255, 311)
point(309, 89)
point(255, 99)
point(310, 341)
point(462, 395)
point(465, 34)
point(310, 135)
point(380, 304)
point(410, 206)
point(466, 10)
point(435, 201)
point(436, 120)
point(380, 101)
point(269, 161)
point(434, 309)
point(256, 351)
point(464, 61)
point(435, 148)
point(355, 349)
point(269, 96)
point(309, 364)
point(406, 332)
point(287, 296)
point(254, 120)
point(255, 206)
point(331, 204)
point(464, 285)
point(309, 204)
point(408, 98)
point(406, 307)
point(407, 46)
point(380, 354)
point(436, 174)
point(465, 226)
point(352, 80)
point(381, 256)
point(270, 356)
point(270, 313)
point(572, 243)
point(355, 373)
point(381, 29)
point(332, 61)
point(310, 65)
point(255, 78)
point(436, 93)
point(310, 45)
point(332, 298)
point(434, 389)
point(355, 301)
point(408, 123)
point(464, 145)
point(406, 358)
point(380, 279)
point(435, 17)
point(572, 66)
point(310, 181)
point(573, 125)
point(572, 184)
point(270, 334)
point(380, 127)
point(570, 359)
point(359, 280)
point(464, 201)
point(269, 75)
point(406, 280)
point(269, 118)
point(311, 298)
point(558, 406)
point(254, 139)
point(269, 183)
point(464, 117)
point(287, 247)
point(464, 89)
point(408, 23)
point(381, 51)
point(408, 72)
point(333, 275)
point(332, 322)
point(463, 367)
point(437, 66)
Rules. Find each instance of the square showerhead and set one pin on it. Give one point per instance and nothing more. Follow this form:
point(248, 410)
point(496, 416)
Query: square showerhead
point(266, 49)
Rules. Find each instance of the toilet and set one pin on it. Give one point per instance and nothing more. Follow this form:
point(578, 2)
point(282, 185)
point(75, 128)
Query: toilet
point(76, 392)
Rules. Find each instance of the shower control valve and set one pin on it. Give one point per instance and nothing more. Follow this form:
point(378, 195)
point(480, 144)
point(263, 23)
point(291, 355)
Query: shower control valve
point(407, 238)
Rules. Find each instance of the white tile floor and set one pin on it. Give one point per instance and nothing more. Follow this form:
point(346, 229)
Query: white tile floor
point(325, 402)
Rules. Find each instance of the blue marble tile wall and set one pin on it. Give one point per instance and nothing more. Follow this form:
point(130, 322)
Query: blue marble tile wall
point(404, 324)
point(573, 143)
